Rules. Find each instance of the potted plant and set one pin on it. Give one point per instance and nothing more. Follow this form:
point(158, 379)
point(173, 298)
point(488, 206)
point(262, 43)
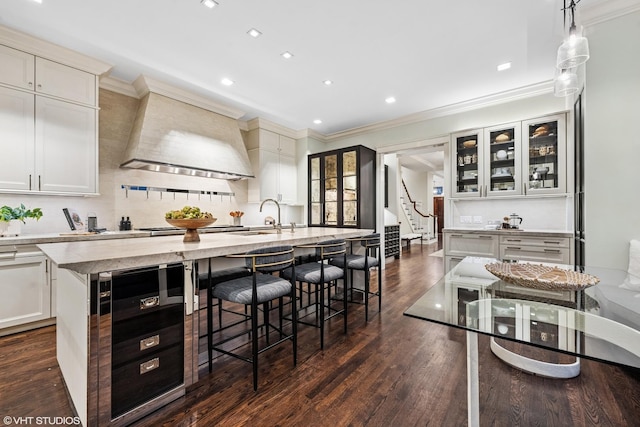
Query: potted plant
point(11, 218)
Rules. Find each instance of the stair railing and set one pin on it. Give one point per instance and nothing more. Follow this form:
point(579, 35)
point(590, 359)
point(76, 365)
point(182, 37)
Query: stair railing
point(414, 203)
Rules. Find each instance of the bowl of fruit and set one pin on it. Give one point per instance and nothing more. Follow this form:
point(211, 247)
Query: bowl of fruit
point(191, 218)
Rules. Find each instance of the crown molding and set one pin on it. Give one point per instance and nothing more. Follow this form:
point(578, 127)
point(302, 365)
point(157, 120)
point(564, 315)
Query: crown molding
point(461, 107)
point(144, 84)
point(310, 133)
point(118, 86)
point(606, 10)
point(44, 49)
point(260, 123)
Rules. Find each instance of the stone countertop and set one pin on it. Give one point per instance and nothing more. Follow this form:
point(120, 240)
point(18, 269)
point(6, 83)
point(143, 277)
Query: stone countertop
point(95, 256)
point(70, 236)
point(506, 232)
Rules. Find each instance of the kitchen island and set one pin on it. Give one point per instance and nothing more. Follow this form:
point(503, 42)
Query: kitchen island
point(94, 361)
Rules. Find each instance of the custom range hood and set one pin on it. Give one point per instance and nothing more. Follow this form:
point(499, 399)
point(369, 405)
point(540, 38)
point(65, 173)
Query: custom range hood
point(176, 137)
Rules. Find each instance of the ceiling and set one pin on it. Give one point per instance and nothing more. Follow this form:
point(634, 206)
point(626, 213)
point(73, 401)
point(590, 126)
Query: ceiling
point(427, 54)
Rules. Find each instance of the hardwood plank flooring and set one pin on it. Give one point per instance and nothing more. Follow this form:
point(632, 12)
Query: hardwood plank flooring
point(392, 371)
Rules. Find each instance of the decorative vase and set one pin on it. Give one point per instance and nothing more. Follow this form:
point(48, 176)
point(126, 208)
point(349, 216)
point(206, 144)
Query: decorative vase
point(11, 228)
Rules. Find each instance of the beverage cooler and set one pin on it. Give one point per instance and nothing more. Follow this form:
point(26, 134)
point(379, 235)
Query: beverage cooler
point(141, 341)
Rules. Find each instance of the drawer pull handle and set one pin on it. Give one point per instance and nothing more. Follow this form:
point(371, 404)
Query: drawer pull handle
point(514, 240)
point(150, 302)
point(557, 242)
point(514, 248)
point(555, 251)
point(456, 235)
point(149, 365)
point(485, 237)
point(149, 342)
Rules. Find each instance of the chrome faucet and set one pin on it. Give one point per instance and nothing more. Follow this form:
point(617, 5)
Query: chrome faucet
point(277, 226)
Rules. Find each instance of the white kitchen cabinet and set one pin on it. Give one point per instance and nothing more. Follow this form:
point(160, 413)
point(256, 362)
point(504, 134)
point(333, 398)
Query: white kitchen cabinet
point(273, 158)
point(555, 250)
point(25, 294)
point(513, 159)
point(66, 147)
point(507, 246)
point(48, 145)
point(48, 127)
point(471, 244)
point(42, 76)
point(17, 132)
point(18, 68)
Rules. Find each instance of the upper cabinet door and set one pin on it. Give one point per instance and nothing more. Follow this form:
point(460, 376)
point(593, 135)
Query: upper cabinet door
point(66, 147)
point(65, 82)
point(503, 172)
point(467, 165)
point(545, 149)
point(17, 68)
point(16, 139)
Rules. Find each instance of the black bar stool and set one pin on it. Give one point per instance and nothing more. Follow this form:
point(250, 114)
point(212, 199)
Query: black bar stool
point(370, 259)
point(322, 277)
point(261, 288)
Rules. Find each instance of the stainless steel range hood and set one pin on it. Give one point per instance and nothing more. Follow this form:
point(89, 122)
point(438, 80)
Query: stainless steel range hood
point(175, 137)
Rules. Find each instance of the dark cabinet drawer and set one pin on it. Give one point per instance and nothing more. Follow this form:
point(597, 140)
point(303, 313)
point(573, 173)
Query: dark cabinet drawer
point(145, 378)
point(138, 292)
point(137, 336)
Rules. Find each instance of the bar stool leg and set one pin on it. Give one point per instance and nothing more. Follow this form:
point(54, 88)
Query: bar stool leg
point(320, 309)
point(210, 319)
point(254, 343)
point(366, 294)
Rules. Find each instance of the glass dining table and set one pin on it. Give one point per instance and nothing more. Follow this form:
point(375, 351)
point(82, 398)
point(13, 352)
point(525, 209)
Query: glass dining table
point(600, 323)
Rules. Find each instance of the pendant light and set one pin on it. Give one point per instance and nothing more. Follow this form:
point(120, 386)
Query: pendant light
point(575, 49)
point(565, 83)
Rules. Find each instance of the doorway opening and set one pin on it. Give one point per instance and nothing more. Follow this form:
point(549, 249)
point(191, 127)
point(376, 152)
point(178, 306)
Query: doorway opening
point(415, 188)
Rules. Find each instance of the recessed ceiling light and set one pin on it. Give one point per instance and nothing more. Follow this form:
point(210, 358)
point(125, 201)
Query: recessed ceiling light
point(287, 55)
point(328, 82)
point(254, 33)
point(504, 66)
point(38, 1)
point(209, 3)
point(390, 100)
point(317, 121)
point(227, 82)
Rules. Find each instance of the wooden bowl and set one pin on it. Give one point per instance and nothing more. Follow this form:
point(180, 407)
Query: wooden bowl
point(192, 226)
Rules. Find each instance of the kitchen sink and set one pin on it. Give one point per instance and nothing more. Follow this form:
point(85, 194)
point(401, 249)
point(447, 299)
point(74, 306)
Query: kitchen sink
point(257, 232)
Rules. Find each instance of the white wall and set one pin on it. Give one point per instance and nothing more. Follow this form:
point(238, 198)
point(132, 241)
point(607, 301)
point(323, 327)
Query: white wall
point(612, 146)
point(550, 213)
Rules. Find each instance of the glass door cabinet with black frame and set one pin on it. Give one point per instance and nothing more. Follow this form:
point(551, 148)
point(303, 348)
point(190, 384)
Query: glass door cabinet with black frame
point(342, 188)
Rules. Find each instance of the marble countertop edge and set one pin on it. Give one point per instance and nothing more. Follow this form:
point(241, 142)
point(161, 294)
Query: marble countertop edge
point(95, 256)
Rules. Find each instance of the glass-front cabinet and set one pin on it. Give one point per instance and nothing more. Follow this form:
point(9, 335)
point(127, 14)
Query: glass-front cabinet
point(467, 163)
point(521, 158)
point(544, 152)
point(342, 188)
point(503, 160)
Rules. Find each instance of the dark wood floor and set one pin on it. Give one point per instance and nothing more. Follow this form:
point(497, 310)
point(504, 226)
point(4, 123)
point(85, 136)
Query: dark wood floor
point(392, 371)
